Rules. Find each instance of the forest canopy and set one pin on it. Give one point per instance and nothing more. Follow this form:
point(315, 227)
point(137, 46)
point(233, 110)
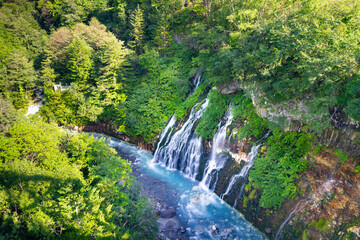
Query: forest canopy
point(131, 65)
point(58, 184)
point(127, 62)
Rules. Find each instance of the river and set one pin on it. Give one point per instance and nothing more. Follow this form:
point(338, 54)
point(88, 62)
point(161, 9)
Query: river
point(199, 213)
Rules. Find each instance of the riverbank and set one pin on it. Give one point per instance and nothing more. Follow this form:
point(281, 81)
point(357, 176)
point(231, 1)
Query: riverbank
point(186, 208)
point(164, 201)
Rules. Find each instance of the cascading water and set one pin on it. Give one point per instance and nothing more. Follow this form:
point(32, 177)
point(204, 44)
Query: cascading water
point(34, 108)
point(214, 163)
point(299, 206)
point(202, 213)
point(197, 81)
point(184, 149)
point(323, 192)
point(165, 133)
point(244, 170)
point(241, 177)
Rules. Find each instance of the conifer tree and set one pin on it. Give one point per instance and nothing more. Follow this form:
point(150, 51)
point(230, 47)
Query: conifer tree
point(137, 32)
point(80, 63)
point(17, 76)
point(163, 36)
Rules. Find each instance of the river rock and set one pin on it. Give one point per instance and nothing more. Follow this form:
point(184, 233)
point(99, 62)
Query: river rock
point(167, 213)
point(214, 229)
point(268, 230)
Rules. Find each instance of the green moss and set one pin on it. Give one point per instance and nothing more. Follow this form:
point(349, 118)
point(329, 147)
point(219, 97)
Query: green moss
point(245, 110)
point(341, 155)
point(245, 201)
point(357, 140)
point(322, 225)
point(316, 150)
point(357, 168)
point(218, 104)
point(305, 128)
point(248, 187)
point(252, 194)
point(305, 235)
point(263, 149)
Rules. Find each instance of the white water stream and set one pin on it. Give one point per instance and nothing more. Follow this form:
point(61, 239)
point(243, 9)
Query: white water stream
point(215, 164)
point(34, 108)
point(299, 206)
point(165, 133)
point(183, 150)
point(244, 170)
point(199, 208)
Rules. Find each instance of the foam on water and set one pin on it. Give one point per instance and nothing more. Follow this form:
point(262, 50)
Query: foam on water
point(197, 205)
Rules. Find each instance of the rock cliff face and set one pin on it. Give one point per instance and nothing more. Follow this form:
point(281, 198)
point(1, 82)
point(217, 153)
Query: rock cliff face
point(328, 203)
point(327, 206)
point(112, 131)
point(345, 139)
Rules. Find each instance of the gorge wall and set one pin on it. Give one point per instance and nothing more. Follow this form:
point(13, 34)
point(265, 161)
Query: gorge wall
point(326, 205)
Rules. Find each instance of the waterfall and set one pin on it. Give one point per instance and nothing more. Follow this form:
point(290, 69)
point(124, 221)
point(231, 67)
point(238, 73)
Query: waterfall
point(297, 209)
point(324, 191)
point(165, 133)
point(244, 170)
point(183, 150)
point(197, 81)
point(215, 164)
point(242, 175)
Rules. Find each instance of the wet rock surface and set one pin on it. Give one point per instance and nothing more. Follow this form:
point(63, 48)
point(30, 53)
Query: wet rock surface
point(111, 130)
point(327, 206)
point(167, 212)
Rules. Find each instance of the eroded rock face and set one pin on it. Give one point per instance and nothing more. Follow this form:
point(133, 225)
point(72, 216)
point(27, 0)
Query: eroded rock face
point(355, 229)
point(112, 131)
point(335, 195)
point(345, 139)
point(239, 149)
point(331, 194)
point(230, 88)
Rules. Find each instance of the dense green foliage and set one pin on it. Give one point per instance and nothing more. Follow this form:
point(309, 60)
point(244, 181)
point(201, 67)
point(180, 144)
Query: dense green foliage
point(274, 173)
point(284, 53)
point(22, 44)
point(8, 115)
point(128, 63)
point(55, 184)
point(158, 90)
point(218, 105)
point(252, 124)
point(91, 61)
point(303, 51)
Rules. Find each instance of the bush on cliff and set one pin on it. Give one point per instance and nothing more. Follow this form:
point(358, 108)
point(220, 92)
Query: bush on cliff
point(274, 173)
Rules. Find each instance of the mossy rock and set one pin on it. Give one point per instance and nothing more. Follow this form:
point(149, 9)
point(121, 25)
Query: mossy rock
point(305, 235)
point(245, 201)
point(252, 195)
point(248, 187)
point(321, 225)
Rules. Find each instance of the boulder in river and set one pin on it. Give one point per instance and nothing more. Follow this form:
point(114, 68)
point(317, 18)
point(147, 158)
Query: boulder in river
point(214, 229)
point(167, 213)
